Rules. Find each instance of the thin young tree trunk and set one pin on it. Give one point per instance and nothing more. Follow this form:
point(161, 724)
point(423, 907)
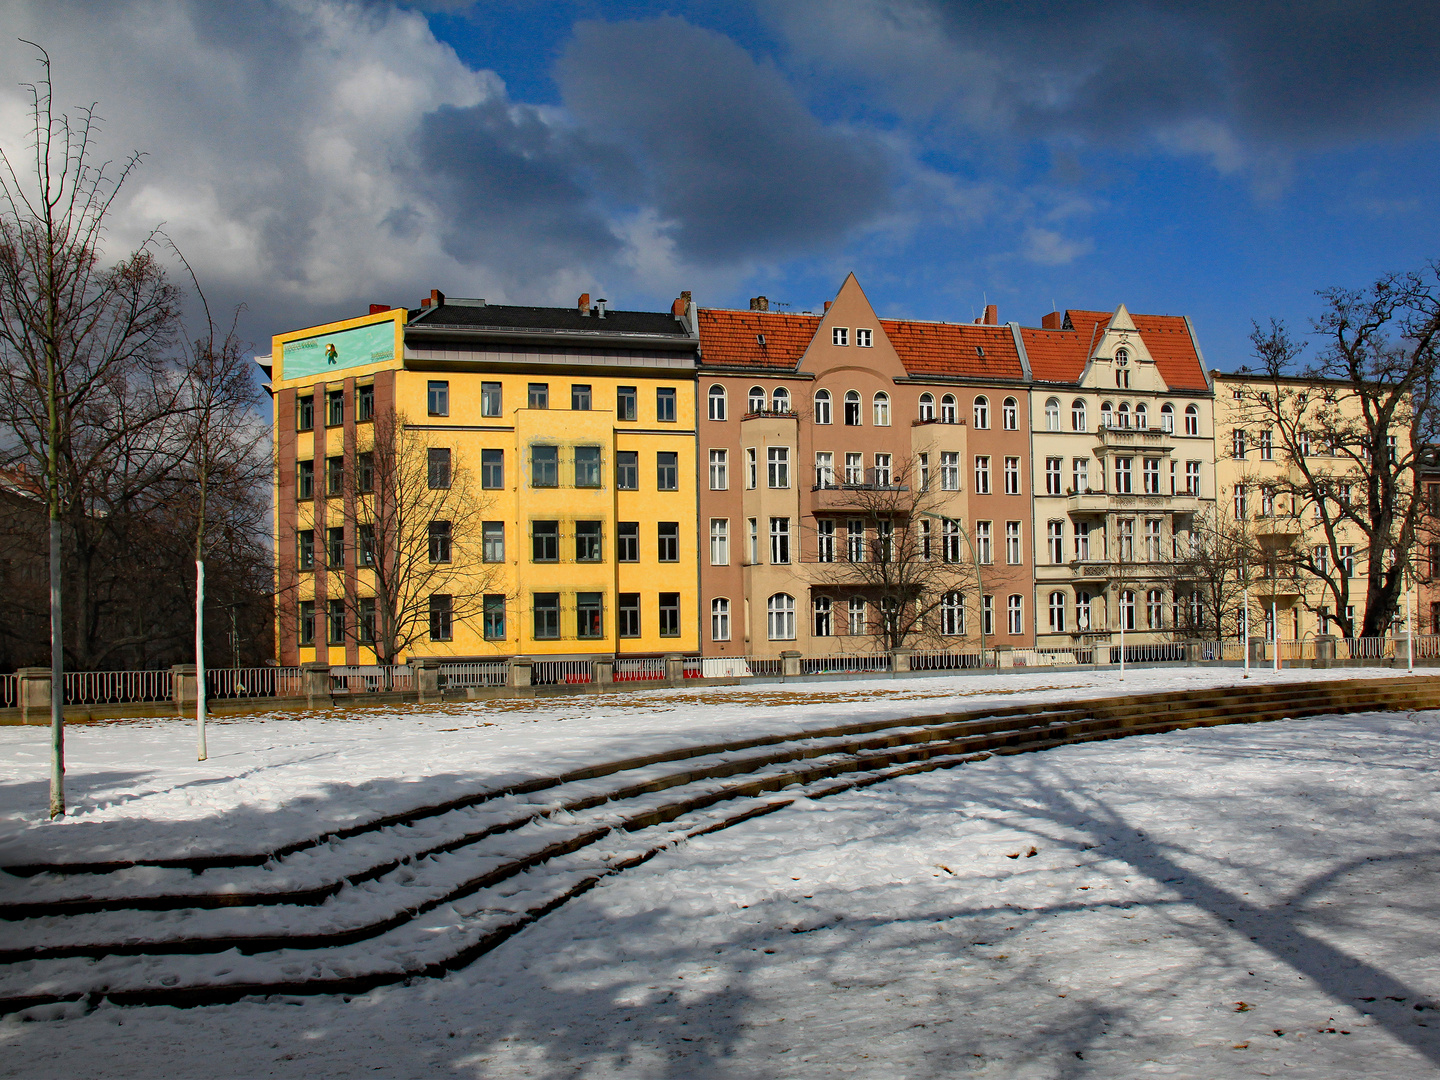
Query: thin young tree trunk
point(57, 678)
point(200, 751)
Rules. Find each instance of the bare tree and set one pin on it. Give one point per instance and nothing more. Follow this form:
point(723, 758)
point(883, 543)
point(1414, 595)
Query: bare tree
point(416, 514)
point(1208, 577)
point(914, 555)
point(1356, 443)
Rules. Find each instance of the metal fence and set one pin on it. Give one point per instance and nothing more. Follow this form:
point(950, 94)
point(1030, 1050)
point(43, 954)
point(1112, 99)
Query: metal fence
point(372, 679)
point(478, 674)
point(1055, 657)
point(844, 664)
point(948, 661)
point(561, 672)
point(643, 670)
point(116, 687)
point(1163, 652)
point(9, 691)
point(223, 683)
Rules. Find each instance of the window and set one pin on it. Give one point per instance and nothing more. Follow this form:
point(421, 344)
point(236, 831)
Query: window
point(855, 616)
point(924, 539)
point(1167, 417)
point(629, 614)
point(716, 399)
point(587, 466)
point(1012, 476)
point(852, 408)
point(334, 408)
point(1154, 610)
point(669, 541)
point(923, 471)
point(490, 401)
point(854, 469)
point(439, 541)
point(538, 397)
point(365, 472)
point(627, 541)
point(1152, 539)
point(952, 614)
point(669, 614)
point(780, 400)
point(987, 614)
point(821, 610)
point(855, 539)
point(777, 459)
point(492, 469)
point(1127, 539)
point(437, 471)
point(882, 410)
point(625, 397)
point(665, 404)
point(927, 406)
point(1433, 558)
point(824, 469)
point(779, 540)
point(982, 474)
point(719, 541)
point(305, 549)
point(364, 403)
point(365, 545)
point(1012, 543)
point(545, 541)
point(1122, 415)
point(719, 470)
point(334, 475)
point(1010, 415)
point(1237, 443)
point(305, 411)
point(1267, 449)
point(1142, 417)
point(307, 622)
point(588, 542)
point(1150, 474)
point(1192, 478)
point(949, 470)
point(720, 619)
point(305, 480)
point(950, 540)
point(1239, 502)
point(824, 541)
point(822, 406)
point(1052, 414)
point(1123, 475)
point(884, 541)
point(1052, 475)
point(589, 615)
point(1267, 501)
point(1321, 555)
point(882, 470)
point(752, 469)
point(840, 335)
point(365, 620)
point(982, 413)
point(982, 542)
point(754, 543)
point(1127, 610)
point(1057, 612)
point(580, 397)
point(335, 622)
point(863, 337)
point(493, 617)
point(1192, 420)
point(1303, 443)
point(544, 466)
point(492, 541)
point(437, 398)
point(1347, 559)
point(755, 400)
point(1055, 541)
point(546, 615)
point(1080, 474)
point(441, 617)
point(948, 411)
point(335, 547)
point(1082, 541)
point(667, 471)
point(1107, 416)
point(627, 470)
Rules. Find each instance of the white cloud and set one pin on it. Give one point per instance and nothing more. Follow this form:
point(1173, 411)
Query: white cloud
point(1049, 248)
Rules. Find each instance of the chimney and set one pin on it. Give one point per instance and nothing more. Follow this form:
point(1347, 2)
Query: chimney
point(600, 306)
point(828, 303)
point(1053, 321)
point(437, 298)
point(759, 303)
point(376, 309)
point(425, 301)
point(679, 305)
point(992, 315)
point(583, 304)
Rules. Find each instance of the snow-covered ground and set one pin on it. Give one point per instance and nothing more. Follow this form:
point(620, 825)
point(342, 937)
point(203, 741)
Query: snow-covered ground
point(1209, 903)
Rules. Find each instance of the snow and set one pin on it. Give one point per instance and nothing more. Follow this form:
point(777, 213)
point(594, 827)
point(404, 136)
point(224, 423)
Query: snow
point(901, 930)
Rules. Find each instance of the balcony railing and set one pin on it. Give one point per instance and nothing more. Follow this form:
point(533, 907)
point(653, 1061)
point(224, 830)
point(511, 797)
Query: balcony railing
point(1106, 502)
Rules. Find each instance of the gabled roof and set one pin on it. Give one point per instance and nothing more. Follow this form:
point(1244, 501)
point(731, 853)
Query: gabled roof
point(733, 338)
point(949, 349)
point(1061, 355)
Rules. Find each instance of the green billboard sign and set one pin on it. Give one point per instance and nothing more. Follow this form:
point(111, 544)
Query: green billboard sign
point(373, 344)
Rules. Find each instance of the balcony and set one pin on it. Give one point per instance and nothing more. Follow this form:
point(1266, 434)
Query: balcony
point(857, 496)
point(1277, 532)
point(1108, 502)
point(1135, 440)
point(1091, 569)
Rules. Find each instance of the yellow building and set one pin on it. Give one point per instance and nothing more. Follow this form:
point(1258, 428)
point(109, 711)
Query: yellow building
point(559, 446)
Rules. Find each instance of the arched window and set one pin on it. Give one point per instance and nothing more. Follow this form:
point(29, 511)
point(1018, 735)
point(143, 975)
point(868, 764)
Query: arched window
point(1154, 610)
point(1142, 417)
point(780, 400)
point(781, 613)
point(947, 410)
point(852, 408)
point(822, 610)
point(717, 402)
point(927, 406)
point(1057, 612)
point(1192, 420)
point(1010, 415)
point(1127, 609)
point(1077, 415)
point(720, 619)
point(1122, 357)
point(1052, 414)
point(882, 409)
point(756, 401)
point(1167, 417)
point(982, 412)
point(1082, 610)
point(1107, 418)
point(1122, 415)
point(822, 406)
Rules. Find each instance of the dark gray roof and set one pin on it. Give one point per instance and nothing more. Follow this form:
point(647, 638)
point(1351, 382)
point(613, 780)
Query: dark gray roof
point(568, 319)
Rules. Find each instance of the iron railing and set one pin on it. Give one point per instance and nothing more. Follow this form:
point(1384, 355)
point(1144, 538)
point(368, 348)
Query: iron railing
point(476, 674)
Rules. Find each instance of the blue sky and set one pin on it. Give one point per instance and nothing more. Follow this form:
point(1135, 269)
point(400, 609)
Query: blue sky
point(1217, 159)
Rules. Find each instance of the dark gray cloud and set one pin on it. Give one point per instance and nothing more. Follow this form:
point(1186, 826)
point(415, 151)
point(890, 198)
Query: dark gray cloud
point(731, 160)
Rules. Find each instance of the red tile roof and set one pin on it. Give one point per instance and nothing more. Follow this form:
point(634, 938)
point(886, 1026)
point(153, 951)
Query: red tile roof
point(731, 338)
point(1168, 339)
point(948, 349)
point(1055, 355)
point(1060, 355)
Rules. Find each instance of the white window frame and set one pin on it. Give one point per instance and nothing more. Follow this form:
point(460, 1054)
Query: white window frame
point(719, 541)
point(780, 617)
point(719, 470)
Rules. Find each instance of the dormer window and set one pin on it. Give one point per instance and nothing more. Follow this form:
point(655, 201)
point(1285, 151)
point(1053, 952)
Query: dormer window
point(840, 335)
point(862, 338)
point(1122, 357)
